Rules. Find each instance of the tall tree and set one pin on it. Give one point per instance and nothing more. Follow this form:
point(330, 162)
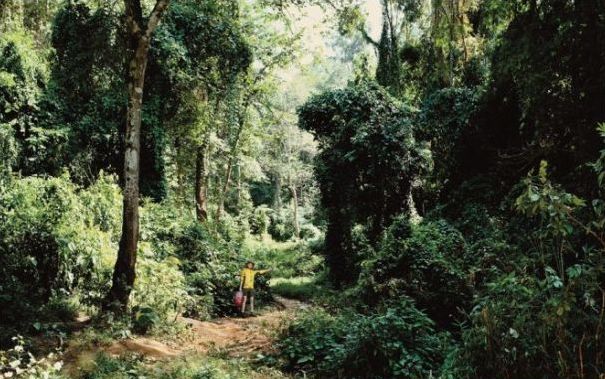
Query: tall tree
point(139, 33)
point(398, 17)
point(368, 159)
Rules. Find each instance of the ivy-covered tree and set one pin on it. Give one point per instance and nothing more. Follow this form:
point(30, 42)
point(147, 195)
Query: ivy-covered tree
point(139, 33)
point(367, 161)
point(398, 19)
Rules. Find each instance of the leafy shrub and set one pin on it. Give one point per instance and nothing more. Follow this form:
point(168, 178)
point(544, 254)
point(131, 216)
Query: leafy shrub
point(103, 203)
point(549, 306)
point(58, 241)
point(49, 245)
point(23, 74)
point(205, 262)
point(210, 262)
point(233, 229)
point(397, 342)
point(423, 261)
point(259, 220)
point(18, 362)
point(302, 288)
point(190, 367)
point(309, 232)
point(160, 284)
point(144, 318)
point(287, 260)
point(8, 152)
point(107, 367)
point(521, 322)
point(60, 308)
point(444, 120)
point(281, 227)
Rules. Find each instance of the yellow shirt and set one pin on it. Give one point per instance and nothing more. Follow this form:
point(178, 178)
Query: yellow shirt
point(248, 275)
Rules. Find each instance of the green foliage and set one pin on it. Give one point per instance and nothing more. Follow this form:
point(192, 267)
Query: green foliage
point(310, 232)
point(160, 286)
point(543, 198)
point(544, 81)
point(259, 220)
point(103, 203)
point(190, 367)
point(425, 262)
point(8, 153)
point(500, 86)
point(20, 363)
point(522, 322)
point(48, 245)
point(368, 159)
point(287, 259)
point(281, 227)
point(545, 306)
point(199, 268)
point(303, 288)
point(107, 367)
point(444, 120)
point(87, 92)
point(599, 164)
point(59, 241)
point(143, 319)
point(23, 76)
point(398, 342)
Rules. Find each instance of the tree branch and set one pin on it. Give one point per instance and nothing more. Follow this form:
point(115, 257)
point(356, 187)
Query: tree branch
point(367, 38)
point(586, 228)
point(134, 16)
point(155, 17)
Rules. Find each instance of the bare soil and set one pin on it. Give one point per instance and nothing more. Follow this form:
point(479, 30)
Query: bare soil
point(241, 337)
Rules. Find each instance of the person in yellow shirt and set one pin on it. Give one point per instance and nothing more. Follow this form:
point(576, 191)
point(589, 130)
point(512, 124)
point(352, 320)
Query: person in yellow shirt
point(246, 284)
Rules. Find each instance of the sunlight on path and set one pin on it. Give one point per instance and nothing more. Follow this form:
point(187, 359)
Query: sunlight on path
point(240, 337)
point(236, 337)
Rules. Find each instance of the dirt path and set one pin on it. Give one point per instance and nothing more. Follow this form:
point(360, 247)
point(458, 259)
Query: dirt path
point(233, 336)
point(240, 337)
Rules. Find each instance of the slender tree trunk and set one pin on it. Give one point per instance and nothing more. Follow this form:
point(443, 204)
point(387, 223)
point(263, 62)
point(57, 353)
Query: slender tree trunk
point(201, 206)
point(139, 38)
point(239, 184)
point(180, 171)
point(232, 157)
point(277, 196)
point(221, 205)
point(20, 13)
point(295, 212)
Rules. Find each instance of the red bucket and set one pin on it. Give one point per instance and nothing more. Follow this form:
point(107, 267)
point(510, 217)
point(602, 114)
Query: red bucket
point(238, 299)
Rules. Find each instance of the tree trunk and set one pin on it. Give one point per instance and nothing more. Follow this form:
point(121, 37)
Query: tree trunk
point(295, 212)
point(201, 206)
point(239, 184)
point(232, 157)
point(221, 204)
point(139, 38)
point(277, 198)
point(181, 180)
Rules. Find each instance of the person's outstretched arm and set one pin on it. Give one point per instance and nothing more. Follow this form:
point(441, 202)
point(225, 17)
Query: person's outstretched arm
point(263, 271)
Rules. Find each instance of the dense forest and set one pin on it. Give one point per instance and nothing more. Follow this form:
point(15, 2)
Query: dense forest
point(425, 179)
